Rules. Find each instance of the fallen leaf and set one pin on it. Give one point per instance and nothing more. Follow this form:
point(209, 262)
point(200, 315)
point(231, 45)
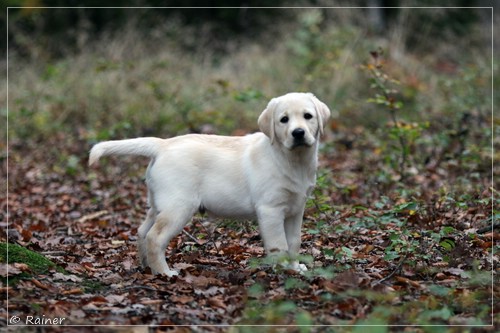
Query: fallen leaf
point(407, 281)
point(73, 291)
point(67, 277)
point(183, 299)
point(217, 301)
point(39, 284)
point(115, 299)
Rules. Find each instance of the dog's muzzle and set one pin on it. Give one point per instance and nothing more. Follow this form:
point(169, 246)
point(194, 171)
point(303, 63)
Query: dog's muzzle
point(299, 139)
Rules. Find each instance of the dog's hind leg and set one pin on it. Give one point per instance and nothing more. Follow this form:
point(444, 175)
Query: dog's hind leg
point(168, 224)
point(143, 230)
point(142, 248)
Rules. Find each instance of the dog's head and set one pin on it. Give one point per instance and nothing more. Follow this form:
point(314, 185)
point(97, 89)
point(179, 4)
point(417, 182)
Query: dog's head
point(294, 120)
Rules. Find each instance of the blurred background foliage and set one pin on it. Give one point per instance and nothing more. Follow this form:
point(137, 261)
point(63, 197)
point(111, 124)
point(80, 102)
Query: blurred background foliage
point(101, 73)
point(61, 29)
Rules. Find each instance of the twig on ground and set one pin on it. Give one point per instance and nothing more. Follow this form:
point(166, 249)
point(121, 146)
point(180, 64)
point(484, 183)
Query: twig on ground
point(489, 228)
point(140, 287)
point(398, 267)
point(191, 237)
point(211, 236)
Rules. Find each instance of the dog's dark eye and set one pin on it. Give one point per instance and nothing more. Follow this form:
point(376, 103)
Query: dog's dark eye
point(308, 116)
point(284, 120)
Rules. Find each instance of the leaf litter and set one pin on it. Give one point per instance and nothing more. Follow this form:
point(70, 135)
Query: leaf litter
point(365, 250)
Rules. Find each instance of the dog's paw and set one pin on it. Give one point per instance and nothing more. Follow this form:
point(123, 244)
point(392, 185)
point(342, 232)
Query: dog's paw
point(171, 273)
point(301, 268)
point(298, 267)
point(166, 272)
point(294, 266)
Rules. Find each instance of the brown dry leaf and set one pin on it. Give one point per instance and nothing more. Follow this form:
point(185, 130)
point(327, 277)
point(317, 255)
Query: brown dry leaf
point(22, 267)
point(199, 281)
point(39, 284)
point(182, 266)
point(98, 299)
point(233, 249)
point(217, 301)
point(407, 281)
point(91, 306)
point(210, 291)
point(440, 264)
point(27, 234)
point(261, 274)
point(450, 280)
point(183, 299)
point(152, 301)
point(73, 291)
point(128, 263)
point(9, 270)
point(328, 285)
point(486, 245)
point(346, 280)
point(492, 235)
point(367, 248)
point(115, 299)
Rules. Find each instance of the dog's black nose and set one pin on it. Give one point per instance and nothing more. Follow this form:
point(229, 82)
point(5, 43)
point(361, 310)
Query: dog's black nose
point(298, 133)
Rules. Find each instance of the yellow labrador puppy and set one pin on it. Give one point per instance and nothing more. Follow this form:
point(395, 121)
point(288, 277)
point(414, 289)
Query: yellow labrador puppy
point(266, 175)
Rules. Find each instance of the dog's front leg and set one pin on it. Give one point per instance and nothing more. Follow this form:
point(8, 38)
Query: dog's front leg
point(293, 226)
point(272, 230)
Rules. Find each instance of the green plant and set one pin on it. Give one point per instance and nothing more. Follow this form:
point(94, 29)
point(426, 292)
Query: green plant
point(320, 198)
point(388, 97)
point(278, 312)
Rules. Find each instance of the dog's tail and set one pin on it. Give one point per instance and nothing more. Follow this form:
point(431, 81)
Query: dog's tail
point(148, 147)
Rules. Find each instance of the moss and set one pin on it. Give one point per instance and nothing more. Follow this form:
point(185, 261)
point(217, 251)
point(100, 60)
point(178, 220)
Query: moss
point(38, 264)
point(18, 254)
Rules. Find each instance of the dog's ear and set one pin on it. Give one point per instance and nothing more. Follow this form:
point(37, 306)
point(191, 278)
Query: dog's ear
point(323, 112)
point(266, 120)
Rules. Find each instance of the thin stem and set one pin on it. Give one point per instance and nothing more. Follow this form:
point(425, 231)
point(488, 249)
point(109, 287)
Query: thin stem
point(392, 112)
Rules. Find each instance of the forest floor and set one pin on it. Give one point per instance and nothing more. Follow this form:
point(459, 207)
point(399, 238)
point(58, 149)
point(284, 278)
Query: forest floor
point(376, 254)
